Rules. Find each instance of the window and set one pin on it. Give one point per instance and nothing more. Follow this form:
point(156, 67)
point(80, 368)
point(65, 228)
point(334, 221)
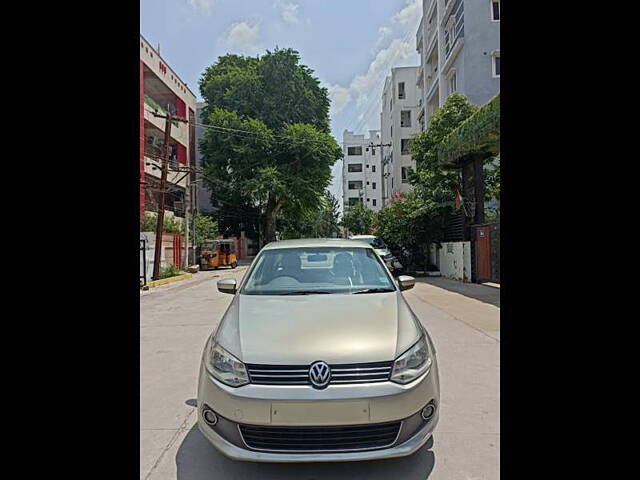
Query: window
point(391, 131)
point(367, 165)
point(354, 201)
point(496, 65)
point(405, 146)
point(405, 174)
point(367, 183)
point(354, 150)
point(495, 10)
point(354, 167)
point(329, 270)
point(401, 93)
point(373, 186)
point(452, 83)
point(373, 168)
point(368, 199)
point(374, 202)
point(355, 184)
point(405, 118)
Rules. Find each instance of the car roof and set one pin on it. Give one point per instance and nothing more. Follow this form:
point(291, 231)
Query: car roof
point(354, 237)
point(316, 242)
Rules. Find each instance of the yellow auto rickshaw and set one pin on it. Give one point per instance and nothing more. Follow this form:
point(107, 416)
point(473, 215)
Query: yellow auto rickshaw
point(218, 253)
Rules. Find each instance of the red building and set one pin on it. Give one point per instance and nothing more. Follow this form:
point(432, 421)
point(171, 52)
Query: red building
point(162, 90)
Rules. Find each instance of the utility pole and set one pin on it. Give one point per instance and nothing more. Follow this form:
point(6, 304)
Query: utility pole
point(163, 187)
point(187, 211)
point(194, 210)
point(381, 145)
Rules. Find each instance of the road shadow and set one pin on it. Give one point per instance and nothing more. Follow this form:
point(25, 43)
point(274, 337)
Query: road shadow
point(197, 459)
point(483, 293)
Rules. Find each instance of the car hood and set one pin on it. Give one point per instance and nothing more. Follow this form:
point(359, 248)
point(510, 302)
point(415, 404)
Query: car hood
point(336, 328)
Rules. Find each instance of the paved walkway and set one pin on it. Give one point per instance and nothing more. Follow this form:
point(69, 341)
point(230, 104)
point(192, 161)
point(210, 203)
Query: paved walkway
point(463, 320)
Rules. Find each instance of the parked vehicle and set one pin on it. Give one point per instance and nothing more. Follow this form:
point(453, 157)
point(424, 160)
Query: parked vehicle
point(218, 253)
point(381, 249)
point(318, 358)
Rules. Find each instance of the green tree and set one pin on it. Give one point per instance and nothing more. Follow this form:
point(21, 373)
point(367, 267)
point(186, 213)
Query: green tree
point(321, 221)
point(435, 187)
point(269, 152)
point(358, 219)
point(414, 220)
point(206, 227)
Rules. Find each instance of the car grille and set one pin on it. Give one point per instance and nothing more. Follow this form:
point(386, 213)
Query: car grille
point(299, 374)
point(312, 439)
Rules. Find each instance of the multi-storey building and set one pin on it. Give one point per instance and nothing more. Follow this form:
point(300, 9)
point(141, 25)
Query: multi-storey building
point(361, 170)
point(459, 46)
point(161, 90)
point(399, 123)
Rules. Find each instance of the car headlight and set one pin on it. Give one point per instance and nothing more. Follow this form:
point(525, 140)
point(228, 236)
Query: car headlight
point(224, 366)
point(412, 363)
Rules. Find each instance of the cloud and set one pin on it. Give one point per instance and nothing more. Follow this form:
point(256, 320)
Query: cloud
point(339, 97)
point(288, 11)
point(202, 6)
point(383, 34)
point(358, 104)
point(243, 35)
point(367, 87)
point(411, 13)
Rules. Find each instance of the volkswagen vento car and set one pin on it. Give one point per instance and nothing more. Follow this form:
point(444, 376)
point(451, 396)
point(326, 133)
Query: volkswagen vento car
point(318, 358)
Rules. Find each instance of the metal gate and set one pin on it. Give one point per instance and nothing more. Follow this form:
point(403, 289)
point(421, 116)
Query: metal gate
point(143, 264)
point(483, 253)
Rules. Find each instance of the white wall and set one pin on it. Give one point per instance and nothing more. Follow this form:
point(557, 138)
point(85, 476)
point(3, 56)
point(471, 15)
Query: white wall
point(454, 260)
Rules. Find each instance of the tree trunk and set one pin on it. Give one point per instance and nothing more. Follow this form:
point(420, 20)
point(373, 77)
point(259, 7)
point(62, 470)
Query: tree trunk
point(272, 210)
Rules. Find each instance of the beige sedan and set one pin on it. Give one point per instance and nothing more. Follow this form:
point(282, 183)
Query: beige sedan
point(318, 358)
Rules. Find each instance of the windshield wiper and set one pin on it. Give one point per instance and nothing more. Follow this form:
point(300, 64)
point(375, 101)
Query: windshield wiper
point(305, 292)
point(373, 290)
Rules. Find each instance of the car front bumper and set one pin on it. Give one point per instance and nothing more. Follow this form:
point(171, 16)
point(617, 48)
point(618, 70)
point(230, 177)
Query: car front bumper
point(304, 406)
point(235, 452)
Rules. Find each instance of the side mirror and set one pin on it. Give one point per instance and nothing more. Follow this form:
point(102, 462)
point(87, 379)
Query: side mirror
point(227, 285)
point(405, 282)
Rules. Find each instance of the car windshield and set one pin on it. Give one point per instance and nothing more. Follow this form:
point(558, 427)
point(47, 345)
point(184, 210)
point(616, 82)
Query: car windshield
point(375, 242)
point(307, 271)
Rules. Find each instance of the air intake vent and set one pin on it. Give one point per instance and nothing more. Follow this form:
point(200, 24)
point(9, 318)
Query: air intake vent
point(320, 439)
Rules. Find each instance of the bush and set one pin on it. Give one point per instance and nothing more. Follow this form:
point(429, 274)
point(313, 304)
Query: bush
point(170, 224)
point(170, 271)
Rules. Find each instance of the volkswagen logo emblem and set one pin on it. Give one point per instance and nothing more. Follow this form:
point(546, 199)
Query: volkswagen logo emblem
point(319, 374)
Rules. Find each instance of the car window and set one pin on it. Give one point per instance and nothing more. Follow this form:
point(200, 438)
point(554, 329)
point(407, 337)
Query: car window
point(322, 270)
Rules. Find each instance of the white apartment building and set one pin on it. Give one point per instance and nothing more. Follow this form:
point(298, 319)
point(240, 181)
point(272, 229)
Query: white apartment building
point(361, 170)
point(399, 123)
point(459, 46)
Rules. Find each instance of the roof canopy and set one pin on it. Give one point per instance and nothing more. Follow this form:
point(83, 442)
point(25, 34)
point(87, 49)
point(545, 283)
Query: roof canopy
point(478, 134)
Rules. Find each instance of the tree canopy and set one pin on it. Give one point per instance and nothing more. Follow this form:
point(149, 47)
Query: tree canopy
point(358, 219)
point(267, 149)
point(321, 221)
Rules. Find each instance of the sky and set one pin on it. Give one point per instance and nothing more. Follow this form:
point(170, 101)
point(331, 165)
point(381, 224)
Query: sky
point(350, 44)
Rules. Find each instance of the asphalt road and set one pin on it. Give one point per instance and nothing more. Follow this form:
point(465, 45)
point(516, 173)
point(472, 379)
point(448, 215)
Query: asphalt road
point(463, 320)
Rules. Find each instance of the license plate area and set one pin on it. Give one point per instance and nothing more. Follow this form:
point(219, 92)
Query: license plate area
point(319, 413)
